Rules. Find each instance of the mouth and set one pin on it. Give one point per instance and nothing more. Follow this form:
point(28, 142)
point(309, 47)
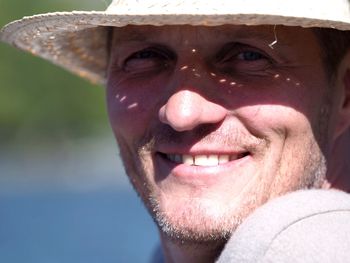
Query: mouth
point(205, 160)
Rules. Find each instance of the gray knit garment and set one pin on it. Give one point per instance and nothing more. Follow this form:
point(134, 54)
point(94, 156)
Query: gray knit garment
point(304, 226)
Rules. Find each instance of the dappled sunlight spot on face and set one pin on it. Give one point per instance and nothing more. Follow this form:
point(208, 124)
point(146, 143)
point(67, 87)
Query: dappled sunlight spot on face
point(122, 99)
point(196, 73)
point(133, 105)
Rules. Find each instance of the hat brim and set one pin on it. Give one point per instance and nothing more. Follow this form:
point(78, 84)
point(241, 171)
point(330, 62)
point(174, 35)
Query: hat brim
point(77, 41)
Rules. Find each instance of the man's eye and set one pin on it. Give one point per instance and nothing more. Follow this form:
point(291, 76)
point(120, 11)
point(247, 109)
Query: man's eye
point(250, 56)
point(145, 54)
point(147, 60)
point(243, 58)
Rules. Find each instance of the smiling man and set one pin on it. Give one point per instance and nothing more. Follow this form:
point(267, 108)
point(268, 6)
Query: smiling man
point(213, 118)
point(212, 122)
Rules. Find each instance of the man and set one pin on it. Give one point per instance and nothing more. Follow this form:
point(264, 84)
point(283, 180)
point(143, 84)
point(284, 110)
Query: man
point(213, 117)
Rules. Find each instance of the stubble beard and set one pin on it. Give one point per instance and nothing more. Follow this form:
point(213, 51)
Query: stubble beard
point(196, 226)
point(193, 225)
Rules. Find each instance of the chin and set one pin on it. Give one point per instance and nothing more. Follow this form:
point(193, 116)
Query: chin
point(198, 220)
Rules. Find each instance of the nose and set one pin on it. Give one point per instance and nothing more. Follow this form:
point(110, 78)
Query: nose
point(187, 109)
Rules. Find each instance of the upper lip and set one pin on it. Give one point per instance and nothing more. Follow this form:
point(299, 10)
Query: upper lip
point(200, 150)
point(206, 153)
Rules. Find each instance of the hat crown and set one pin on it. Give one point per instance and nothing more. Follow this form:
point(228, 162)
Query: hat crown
point(299, 8)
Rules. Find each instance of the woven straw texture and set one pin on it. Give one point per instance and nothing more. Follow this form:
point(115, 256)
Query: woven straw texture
point(77, 41)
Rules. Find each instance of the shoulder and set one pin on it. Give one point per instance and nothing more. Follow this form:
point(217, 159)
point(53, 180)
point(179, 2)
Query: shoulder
point(304, 226)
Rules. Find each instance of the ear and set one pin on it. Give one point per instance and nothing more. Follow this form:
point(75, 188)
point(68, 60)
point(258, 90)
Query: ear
point(343, 103)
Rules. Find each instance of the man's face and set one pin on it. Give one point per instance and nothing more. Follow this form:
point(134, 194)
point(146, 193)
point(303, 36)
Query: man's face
point(213, 121)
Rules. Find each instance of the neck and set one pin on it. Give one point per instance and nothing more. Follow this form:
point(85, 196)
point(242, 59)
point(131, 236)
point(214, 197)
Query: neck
point(190, 252)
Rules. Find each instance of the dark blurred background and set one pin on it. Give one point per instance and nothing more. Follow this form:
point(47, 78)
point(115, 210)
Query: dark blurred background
point(64, 196)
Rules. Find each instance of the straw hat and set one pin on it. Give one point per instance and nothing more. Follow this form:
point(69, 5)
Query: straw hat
point(77, 40)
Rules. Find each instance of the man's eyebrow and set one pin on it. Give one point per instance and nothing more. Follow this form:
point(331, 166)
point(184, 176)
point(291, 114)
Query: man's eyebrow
point(272, 37)
point(264, 35)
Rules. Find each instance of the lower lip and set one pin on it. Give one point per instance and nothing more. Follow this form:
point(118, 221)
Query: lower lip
point(168, 167)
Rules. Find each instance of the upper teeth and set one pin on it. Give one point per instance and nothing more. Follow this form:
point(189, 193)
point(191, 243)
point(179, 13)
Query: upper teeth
point(202, 160)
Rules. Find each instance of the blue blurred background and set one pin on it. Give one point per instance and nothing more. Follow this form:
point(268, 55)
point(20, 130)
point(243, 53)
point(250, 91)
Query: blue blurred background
point(64, 196)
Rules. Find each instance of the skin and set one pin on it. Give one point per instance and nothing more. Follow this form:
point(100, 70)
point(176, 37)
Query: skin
point(338, 165)
point(339, 168)
point(202, 90)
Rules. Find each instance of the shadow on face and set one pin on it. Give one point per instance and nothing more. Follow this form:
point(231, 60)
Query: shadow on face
point(214, 121)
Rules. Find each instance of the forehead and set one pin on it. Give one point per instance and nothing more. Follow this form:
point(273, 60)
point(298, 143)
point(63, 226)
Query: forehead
point(193, 34)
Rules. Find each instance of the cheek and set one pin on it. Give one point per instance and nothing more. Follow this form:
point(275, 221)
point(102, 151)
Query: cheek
point(276, 122)
point(280, 106)
point(131, 108)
